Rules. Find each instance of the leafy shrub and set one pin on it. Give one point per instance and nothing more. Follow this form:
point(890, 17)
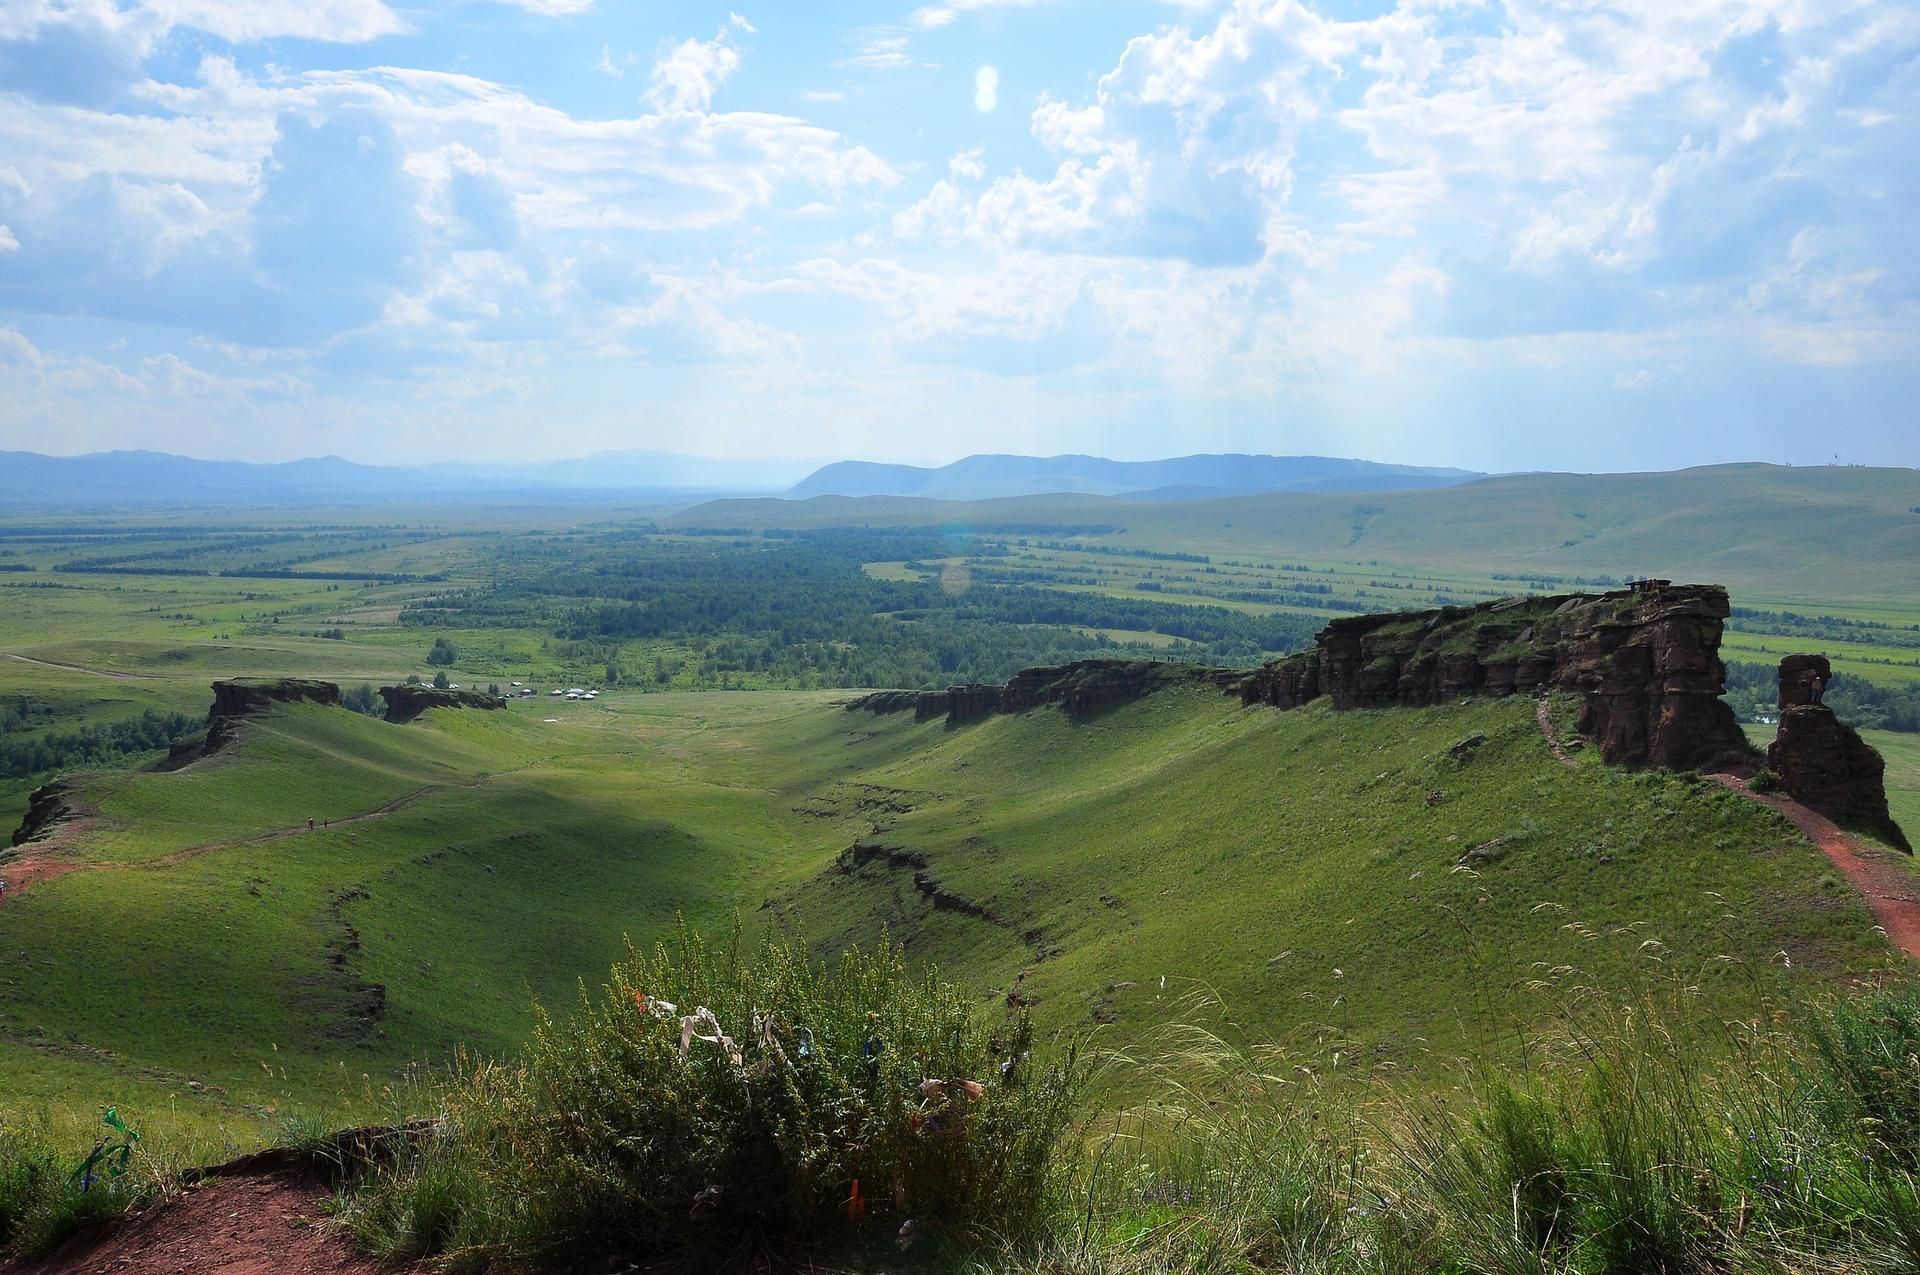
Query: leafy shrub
point(43, 1201)
point(802, 1103)
point(364, 699)
point(443, 654)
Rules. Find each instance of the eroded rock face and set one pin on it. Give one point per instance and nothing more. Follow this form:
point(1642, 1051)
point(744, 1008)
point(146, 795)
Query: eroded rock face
point(237, 699)
point(1803, 679)
point(1084, 689)
point(240, 699)
point(885, 702)
point(48, 806)
point(1646, 661)
point(404, 703)
point(1825, 764)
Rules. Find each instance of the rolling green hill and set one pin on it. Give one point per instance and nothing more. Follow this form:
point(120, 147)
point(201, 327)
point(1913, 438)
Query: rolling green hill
point(210, 954)
point(1774, 531)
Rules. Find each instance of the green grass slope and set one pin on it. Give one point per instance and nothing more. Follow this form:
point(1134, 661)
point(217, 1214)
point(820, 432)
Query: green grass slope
point(212, 963)
point(1300, 867)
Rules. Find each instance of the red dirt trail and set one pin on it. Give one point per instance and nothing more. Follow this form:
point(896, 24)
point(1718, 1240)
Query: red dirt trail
point(1889, 889)
point(247, 1225)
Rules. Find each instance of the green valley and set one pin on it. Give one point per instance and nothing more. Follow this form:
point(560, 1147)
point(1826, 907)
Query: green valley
point(1378, 894)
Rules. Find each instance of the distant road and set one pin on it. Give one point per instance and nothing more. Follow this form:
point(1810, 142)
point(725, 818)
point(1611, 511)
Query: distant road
point(81, 668)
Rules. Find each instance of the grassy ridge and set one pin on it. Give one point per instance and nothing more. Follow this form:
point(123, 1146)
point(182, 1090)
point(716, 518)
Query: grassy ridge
point(1291, 862)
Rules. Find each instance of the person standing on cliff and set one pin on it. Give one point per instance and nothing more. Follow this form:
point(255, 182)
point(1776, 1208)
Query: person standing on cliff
point(1816, 689)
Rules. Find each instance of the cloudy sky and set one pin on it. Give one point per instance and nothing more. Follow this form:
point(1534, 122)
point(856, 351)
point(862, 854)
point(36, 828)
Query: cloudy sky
point(1575, 234)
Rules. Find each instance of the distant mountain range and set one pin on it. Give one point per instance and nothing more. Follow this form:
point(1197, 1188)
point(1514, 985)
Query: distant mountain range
point(32, 480)
point(1179, 478)
point(156, 478)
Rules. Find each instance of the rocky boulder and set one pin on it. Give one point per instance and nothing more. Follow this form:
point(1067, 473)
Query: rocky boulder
point(404, 703)
point(1823, 763)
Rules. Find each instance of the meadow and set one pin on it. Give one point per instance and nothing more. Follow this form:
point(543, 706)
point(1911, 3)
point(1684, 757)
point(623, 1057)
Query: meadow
point(1342, 888)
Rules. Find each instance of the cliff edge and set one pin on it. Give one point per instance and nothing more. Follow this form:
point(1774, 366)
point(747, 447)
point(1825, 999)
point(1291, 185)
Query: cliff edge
point(1646, 661)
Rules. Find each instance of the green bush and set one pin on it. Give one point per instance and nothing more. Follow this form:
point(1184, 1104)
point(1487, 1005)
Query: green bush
point(42, 1200)
point(804, 1104)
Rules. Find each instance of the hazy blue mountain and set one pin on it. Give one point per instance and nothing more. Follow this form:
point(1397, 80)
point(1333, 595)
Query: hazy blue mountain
point(156, 478)
point(1179, 478)
point(644, 470)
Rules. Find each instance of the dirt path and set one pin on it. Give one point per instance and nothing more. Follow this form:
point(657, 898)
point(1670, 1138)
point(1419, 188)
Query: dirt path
point(1890, 891)
point(243, 1225)
point(81, 668)
point(32, 868)
point(280, 834)
point(1544, 715)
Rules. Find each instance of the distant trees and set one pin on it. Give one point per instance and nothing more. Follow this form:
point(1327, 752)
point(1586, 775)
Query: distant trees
point(364, 699)
point(92, 745)
point(443, 654)
point(440, 680)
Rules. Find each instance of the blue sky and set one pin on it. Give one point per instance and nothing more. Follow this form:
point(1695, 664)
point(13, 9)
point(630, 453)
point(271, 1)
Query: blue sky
point(1568, 234)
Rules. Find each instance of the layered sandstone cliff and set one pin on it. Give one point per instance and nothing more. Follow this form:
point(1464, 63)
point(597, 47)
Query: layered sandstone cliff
point(238, 698)
point(48, 806)
point(1822, 762)
point(1083, 689)
point(1646, 661)
point(404, 703)
point(235, 700)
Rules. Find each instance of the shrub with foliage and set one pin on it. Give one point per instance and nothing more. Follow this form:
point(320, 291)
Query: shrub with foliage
point(443, 654)
point(45, 1196)
point(364, 699)
point(725, 1102)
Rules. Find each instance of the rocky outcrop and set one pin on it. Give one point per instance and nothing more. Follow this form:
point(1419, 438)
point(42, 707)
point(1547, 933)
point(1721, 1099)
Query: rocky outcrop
point(1803, 679)
point(1823, 763)
point(1647, 661)
point(885, 702)
point(48, 807)
point(243, 698)
point(1083, 689)
point(404, 703)
point(236, 700)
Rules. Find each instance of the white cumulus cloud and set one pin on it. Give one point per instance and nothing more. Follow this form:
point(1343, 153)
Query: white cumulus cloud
point(986, 89)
